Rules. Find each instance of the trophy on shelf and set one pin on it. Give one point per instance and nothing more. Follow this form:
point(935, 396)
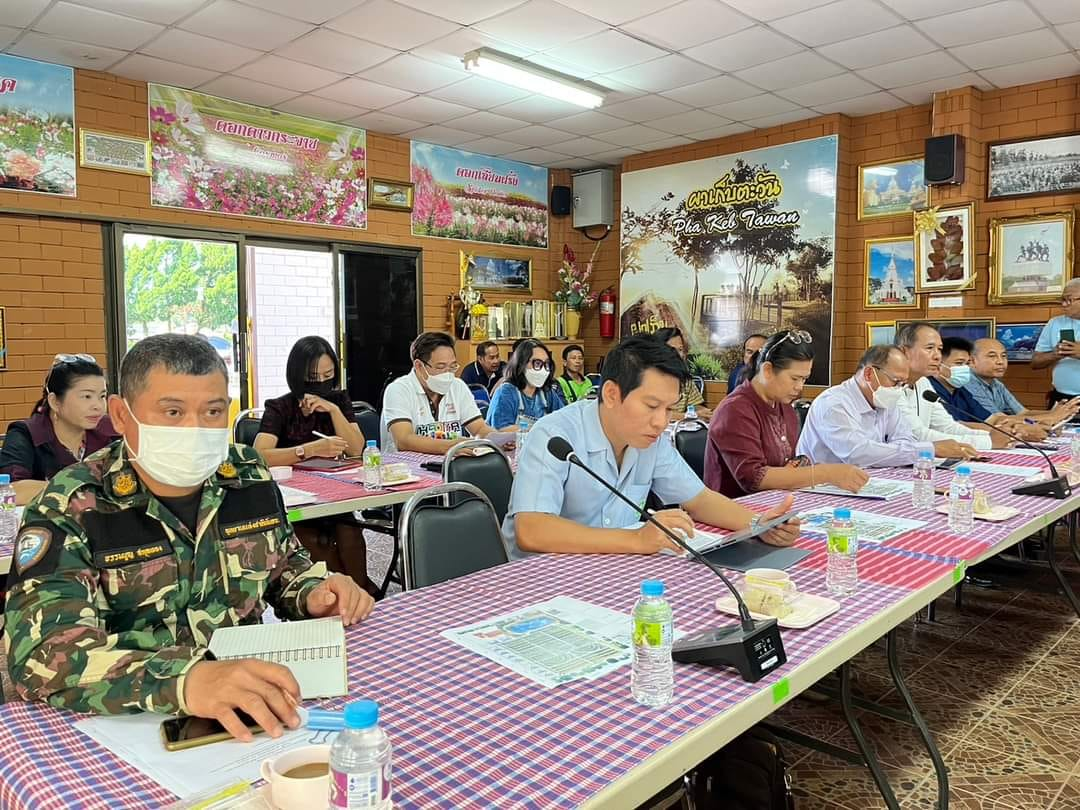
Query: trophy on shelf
point(469, 298)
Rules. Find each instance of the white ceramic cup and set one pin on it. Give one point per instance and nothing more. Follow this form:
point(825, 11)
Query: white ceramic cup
point(297, 794)
point(769, 591)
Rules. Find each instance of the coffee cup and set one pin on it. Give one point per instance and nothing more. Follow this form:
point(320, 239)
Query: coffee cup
point(769, 591)
point(299, 779)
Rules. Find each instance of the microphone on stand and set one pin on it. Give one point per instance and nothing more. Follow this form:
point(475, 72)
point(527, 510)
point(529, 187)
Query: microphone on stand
point(754, 647)
point(1057, 486)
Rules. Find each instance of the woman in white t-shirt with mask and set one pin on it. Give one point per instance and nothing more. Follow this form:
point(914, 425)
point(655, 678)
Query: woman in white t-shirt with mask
point(530, 390)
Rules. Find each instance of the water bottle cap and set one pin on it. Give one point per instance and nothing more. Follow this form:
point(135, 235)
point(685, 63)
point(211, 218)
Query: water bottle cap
point(841, 514)
point(652, 587)
point(5, 479)
point(361, 714)
point(371, 443)
point(963, 470)
point(926, 454)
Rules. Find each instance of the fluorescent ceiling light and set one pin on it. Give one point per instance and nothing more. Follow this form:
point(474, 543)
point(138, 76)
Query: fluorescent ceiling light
point(519, 73)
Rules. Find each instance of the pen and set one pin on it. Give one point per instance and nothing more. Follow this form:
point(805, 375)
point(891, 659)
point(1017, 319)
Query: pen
point(320, 435)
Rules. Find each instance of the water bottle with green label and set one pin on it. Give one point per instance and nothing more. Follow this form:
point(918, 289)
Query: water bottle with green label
point(652, 672)
point(842, 573)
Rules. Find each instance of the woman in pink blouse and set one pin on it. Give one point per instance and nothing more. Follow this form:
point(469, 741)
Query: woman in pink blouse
point(754, 431)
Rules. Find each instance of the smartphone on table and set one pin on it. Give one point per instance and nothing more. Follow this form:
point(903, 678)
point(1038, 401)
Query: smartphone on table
point(181, 733)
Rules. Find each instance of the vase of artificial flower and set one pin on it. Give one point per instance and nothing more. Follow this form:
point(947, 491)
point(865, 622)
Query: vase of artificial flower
point(573, 323)
point(575, 289)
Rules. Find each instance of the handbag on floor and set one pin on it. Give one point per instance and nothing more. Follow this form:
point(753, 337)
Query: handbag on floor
point(749, 773)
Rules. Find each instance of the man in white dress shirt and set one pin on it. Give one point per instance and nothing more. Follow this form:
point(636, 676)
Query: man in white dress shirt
point(930, 421)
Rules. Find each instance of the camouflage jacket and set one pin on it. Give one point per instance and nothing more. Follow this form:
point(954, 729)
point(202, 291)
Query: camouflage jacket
point(111, 600)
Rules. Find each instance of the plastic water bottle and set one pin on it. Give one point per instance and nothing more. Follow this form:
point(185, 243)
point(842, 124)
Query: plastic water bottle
point(360, 761)
point(691, 412)
point(842, 574)
point(922, 487)
point(1074, 447)
point(9, 521)
point(372, 466)
point(522, 431)
point(652, 672)
point(961, 502)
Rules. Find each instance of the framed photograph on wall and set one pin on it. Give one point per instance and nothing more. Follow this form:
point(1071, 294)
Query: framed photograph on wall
point(1022, 168)
point(114, 153)
point(889, 267)
point(944, 250)
point(892, 188)
point(970, 328)
point(496, 273)
point(1031, 258)
point(395, 195)
point(1019, 339)
point(880, 333)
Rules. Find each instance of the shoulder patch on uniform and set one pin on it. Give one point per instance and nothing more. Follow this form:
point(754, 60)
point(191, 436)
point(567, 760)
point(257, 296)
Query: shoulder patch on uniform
point(31, 546)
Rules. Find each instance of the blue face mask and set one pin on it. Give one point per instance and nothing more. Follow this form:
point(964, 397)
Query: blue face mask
point(960, 376)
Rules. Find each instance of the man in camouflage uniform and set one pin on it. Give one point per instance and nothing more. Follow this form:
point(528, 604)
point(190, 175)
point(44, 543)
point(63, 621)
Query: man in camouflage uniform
point(128, 561)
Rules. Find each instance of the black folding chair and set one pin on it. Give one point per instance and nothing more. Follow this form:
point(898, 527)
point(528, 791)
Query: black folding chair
point(690, 437)
point(490, 472)
point(246, 427)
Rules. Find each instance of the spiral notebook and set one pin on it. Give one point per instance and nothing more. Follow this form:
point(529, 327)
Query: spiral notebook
point(312, 649)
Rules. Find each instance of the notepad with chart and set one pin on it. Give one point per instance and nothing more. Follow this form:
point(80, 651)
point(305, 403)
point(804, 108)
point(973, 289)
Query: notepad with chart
point(313, 650)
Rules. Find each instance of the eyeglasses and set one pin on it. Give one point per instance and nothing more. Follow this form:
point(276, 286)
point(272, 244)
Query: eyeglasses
point(796, 336)
point(62, 359)
point(442, 368)
point(540, 365)
point(901, 383)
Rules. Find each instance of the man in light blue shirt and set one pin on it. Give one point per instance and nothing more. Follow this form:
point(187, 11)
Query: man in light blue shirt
point(989, 364)
point(1055, 348)
point(556, 507)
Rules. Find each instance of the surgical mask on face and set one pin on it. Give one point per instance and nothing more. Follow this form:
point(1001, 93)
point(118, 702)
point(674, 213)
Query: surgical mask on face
point(537, 377)
point(886, 398)
point(179, 456)
point(319, 389)
point(959, 376)
point(440, 383)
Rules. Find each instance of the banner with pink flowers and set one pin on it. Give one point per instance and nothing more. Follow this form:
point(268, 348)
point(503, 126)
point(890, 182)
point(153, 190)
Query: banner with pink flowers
point(227, 157)
point(463, 195)
point(37, 126)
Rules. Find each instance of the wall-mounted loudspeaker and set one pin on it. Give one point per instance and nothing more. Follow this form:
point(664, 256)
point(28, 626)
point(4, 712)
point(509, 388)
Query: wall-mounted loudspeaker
point(562, 201)
point(943, 160)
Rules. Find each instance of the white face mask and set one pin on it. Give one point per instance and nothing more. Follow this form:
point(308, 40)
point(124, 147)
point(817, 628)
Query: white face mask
point(536, 377)
point(440, 383)
point(960, 376)
point(179, 456)
point(887, 398)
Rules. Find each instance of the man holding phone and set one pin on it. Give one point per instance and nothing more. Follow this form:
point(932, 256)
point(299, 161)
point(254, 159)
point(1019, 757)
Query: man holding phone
point(128, 561)
point(1058, 347)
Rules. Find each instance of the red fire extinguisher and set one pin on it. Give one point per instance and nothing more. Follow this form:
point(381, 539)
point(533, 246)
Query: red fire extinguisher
point(607, 313)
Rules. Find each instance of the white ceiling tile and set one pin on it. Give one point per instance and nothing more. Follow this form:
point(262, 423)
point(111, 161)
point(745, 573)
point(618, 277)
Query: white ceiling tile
point(632, 136)
point(429, 110)
point(1071, 32)
point(322, 109)
point(21, 13)
point(1010, 50)
point(213, 54)
point(665, 73)
point(335, 51)
point(237, 89)
point(541, 25)
point(244, 25)
point(912, 71)
point(921, 9)
point(151, 69)
point(538, 157)
point(587, 123)
point(381, 122)
point(615, 156)
point(776, 74)
point(666, 143)
point(312, 11)
point(754, 107)
point(890, 45)
point(581, 163)
point(1058, 11)
point(647, 108)
point(616, 12)
point(713, 91)
point(841, 20)
point(537, 109)
point(362, 93)
point(465, 12)
point(450, 49)
point(689, 23)
point(479, 93)
point(766, 10)
point(1036, 71)
point(863, 105)
point(411, 73)
point(394, 26)
point(288, 74)
point(158, 11)
point(719, 132)
point(580, 147)
point(537, 135)
point(835, 88)
point(492, 146)
point(68, 21)
point(994, 20)
point(7, 35)
point(692, 121)
point(605, 52)
point(446, 136)
point(781, 118)
point(487, 123)
point(744, 49)
point(921, 92)
point(617, 91)
point(66, 52)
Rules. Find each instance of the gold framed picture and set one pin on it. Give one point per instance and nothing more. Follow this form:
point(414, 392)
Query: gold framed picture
point(394, 195)
point(892, 188)
point(969, 328)
point(944, 255)
point(114, 153)
point(1031, 258)
point(496, 273)
point(880, 333)
point(889, 273)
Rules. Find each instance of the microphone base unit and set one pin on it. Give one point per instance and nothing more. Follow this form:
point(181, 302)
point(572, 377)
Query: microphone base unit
point(754, 653)
point(1056, 487)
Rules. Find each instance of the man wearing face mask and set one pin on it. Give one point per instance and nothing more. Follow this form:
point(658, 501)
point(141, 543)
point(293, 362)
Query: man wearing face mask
point(430, 409)
point(858, 422)
point(130, 559)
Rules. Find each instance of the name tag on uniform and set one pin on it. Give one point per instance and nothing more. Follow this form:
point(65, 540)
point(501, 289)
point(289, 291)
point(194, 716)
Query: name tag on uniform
point(115, 557)
point(259, 524)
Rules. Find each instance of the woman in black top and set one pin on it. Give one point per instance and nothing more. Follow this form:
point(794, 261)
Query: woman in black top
point(287, 436)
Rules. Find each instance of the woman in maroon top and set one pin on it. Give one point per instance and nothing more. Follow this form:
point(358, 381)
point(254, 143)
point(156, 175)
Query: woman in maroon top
point(67, 424)
point(754, 431)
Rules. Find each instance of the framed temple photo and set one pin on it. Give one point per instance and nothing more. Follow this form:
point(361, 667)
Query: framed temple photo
point(880, 333)
point(892, 188)
point(1023, 168)
point(496, 273)
point(1031, 258)
point(944, 249)
point(889, 268)
point(970, 328)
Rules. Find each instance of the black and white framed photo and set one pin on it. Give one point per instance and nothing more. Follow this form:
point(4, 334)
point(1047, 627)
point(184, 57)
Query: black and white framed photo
point(1025, 168)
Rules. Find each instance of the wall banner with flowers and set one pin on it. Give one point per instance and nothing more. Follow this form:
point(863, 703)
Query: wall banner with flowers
point(37, 126)
point(462, 195)
point(211, 154)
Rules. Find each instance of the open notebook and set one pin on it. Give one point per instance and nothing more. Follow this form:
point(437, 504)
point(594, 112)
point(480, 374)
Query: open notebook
point(312, 649)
